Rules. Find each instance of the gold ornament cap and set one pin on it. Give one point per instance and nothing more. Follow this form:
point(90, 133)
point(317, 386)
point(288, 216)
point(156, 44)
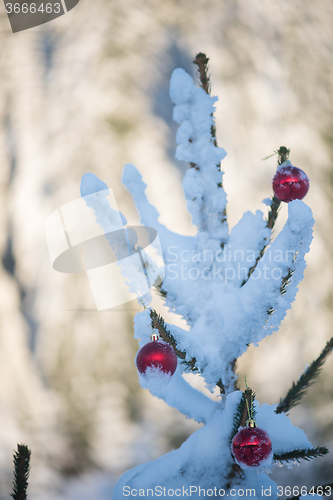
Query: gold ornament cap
point(251, 423)
point(155, 336)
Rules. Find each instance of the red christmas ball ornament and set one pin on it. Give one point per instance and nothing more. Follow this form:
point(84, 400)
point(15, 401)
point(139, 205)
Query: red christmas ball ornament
point(251, 446)
point(290, 183)
point(157, 362)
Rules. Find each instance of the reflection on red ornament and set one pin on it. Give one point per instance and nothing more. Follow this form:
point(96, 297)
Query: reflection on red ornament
point(156, 354)
point(251, 446)
point(290, 183)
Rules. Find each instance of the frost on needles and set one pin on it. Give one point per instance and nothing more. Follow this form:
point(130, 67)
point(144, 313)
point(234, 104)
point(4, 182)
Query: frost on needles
point(233, 288)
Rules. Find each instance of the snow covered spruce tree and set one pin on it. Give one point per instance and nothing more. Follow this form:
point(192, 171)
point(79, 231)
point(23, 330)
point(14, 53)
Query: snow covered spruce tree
point(242, 283)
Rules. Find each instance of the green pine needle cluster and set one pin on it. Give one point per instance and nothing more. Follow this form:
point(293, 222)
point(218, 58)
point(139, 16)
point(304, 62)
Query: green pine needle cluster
point(238, 415)
point(157, 322)
point(299, 389)
point(297, 455)
point(21, 472)
point(241, 413)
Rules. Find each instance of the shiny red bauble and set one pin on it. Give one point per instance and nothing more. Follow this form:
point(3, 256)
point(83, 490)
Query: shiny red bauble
point(251, 446)
point(156, 354)
point(290, 183)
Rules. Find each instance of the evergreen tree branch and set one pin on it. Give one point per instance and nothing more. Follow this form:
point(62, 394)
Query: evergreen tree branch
point(235, 473)
point(233, 366)
point(284, 285)
point(158, 323)
point(274, 212)
point(242, 415)
point(201, 62)
point(238, 416)
point(283, 155)
point(249, 400)
point(21, 472)
point(162, 293)
point(272, 216)
point(286, 280)
point(221, 386)
point(297, 391)
point(305, 454)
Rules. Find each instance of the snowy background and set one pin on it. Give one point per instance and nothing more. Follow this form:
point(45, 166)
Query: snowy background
point(89, 92)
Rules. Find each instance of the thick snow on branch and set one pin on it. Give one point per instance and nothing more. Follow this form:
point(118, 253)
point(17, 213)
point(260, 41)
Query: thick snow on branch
point(122, 248)
point(207, 282)
point(205, 274)
point(178, 393)
point(149, 215)
point(225, 317)
point(202, 183)
point(295, 239)
point(246, 240)
point(190, 402)
point(286, 255)
point(205, 459)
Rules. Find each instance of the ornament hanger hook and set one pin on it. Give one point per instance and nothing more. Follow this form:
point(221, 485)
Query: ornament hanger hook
point(144, 306)
point(250, 422)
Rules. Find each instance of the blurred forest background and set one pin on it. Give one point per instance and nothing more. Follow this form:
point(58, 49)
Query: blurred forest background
point(88, 92)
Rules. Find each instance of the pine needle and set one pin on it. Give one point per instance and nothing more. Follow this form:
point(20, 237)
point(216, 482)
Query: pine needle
point(242, 415)
point(283, 155)
point(201, 62)
point(162, 293)
point(304, 454)
point(21, 472)
point(274, 212)
point(299, 389)
point(238, 417)
point(158, 323)
point(286, 280)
